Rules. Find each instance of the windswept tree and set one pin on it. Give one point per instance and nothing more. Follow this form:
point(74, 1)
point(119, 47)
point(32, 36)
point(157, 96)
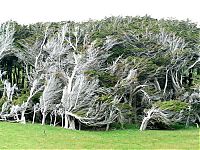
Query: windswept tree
point(51, 95)
point(7, 31)
point(33, 55)
point(80, 92)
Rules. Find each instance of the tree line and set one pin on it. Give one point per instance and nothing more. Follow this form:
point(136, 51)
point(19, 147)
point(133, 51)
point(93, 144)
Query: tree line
point(92, 74)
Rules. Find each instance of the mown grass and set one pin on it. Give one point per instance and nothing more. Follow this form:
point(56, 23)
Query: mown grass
point(19, 136)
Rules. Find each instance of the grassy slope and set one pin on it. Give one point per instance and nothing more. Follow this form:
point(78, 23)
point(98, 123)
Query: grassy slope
point(18, 136)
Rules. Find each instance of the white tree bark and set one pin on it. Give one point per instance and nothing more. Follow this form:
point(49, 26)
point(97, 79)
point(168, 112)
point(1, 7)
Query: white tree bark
point(43, 117)
point(6, 39)
point(146, 119)
point(166, 82)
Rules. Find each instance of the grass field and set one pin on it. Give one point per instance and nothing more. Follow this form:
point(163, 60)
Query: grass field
point(19, 136)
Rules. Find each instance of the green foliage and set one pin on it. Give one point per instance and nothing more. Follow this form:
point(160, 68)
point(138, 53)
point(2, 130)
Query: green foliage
point(25, 91)
point(172, 105)
point(117, 51)
point(124, 106)
point(19, 100)
point(150, 90)
point(98, 42)
point(23, 98)
point(81, 113)
point(106, 79)
point(162, 60)
point(196, 79)
point(106, 98)
point(147, 68)
point(91, 73)
point(2, 101)
point(36, 97)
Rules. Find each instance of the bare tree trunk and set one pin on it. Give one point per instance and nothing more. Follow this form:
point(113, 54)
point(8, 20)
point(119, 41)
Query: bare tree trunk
point(51, 119)
point(14, 74)
point(55, 119)
point(33, 117)
point(107, 126)
point(23, 119)
point(188, 118)
point(43, 118)
point(62, 120)
point(69, 122)
point(146, 119)
point(79, 127)
point(4, 91)
point(17, 117)
point(144, 123)
point(181, 81)
point(166, 82)
point(188, 121)
point(18, 76)
point(197, 116)
point(157, 84)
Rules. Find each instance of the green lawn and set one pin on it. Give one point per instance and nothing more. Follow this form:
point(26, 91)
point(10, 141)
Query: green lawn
point(19, 136)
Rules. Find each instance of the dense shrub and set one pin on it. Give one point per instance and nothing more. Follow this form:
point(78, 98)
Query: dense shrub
point(172, 105)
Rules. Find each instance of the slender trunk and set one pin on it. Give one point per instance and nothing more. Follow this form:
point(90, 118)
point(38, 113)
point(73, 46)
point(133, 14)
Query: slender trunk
point(79, 127)
point(188, 121)
point(157, 84)
point(181, 81)
point(23, 119)
point(51, 119)
point(14, 74)
point(175, 84)
point(166, 82)
point(18, 75)
point(62, 120)
point(4, 91)
point(43, 118)
point(197, 116)
point(33, 117)
point(144, 123)
point(188, 118)
point(55, 119)
point(17, 117)
point(107, 126)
